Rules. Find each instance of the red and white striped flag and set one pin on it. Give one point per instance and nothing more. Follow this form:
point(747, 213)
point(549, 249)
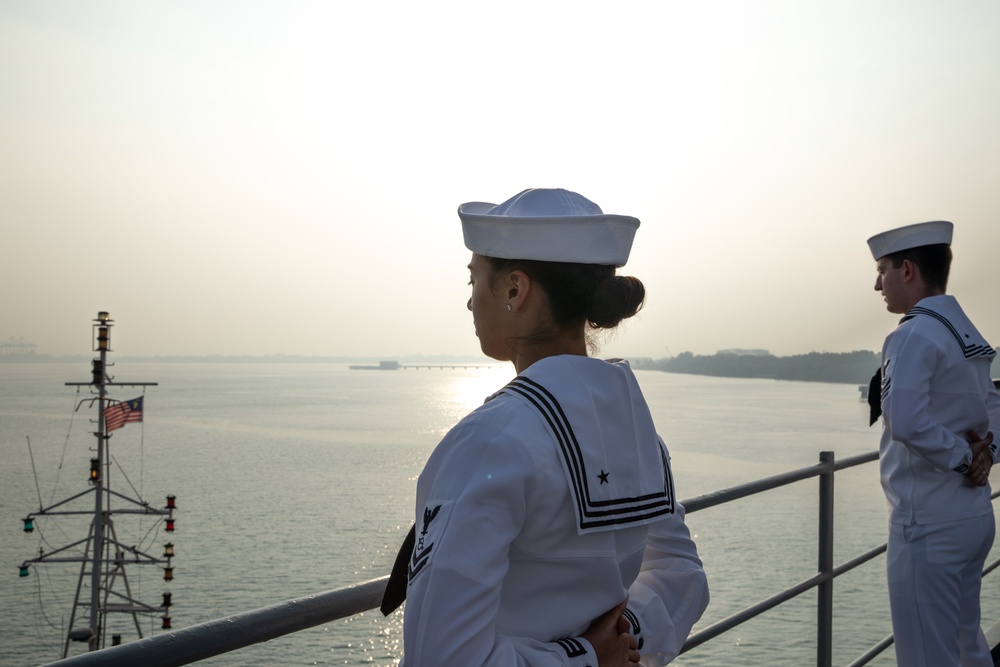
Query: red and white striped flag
point(121, 413)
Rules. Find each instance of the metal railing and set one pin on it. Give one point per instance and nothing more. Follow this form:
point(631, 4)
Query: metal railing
point(198, 642)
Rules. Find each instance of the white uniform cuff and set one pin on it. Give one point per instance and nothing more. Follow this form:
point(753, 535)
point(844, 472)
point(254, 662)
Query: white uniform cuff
point(579, 652)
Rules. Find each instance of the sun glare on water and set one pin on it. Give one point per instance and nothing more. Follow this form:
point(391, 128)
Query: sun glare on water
point(475, 386)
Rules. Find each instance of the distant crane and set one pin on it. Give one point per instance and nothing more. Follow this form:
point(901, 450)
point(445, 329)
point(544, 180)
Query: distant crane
point(16, 347)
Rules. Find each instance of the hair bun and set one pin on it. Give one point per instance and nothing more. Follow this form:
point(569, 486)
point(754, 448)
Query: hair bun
point(615, 299)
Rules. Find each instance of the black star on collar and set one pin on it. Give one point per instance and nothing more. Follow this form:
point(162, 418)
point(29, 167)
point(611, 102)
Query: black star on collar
point(603, 476)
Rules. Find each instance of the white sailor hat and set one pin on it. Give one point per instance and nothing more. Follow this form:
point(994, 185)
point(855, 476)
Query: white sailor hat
point(910, 236)
point(551, 225)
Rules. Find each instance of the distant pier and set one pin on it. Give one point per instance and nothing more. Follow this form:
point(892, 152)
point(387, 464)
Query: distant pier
point(417, 367)
point(396, 366)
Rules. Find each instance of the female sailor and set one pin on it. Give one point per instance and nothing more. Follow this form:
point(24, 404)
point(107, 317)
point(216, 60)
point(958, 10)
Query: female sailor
point(547, 528)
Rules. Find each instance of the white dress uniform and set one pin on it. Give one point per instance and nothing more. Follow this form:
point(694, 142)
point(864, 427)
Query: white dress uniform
point(540, 511)
point(936, 387)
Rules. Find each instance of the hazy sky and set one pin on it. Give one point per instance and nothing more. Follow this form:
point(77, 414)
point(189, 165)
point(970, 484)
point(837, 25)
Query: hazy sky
point(235, 177)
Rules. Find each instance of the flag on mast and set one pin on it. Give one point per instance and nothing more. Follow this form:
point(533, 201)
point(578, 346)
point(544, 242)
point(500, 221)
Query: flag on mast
point(121, 413)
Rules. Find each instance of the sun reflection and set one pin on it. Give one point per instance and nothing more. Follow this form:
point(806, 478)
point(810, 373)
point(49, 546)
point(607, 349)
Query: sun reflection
point(475, 386)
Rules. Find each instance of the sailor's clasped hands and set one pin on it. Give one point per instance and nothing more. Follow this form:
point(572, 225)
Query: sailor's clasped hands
point(982, 458)
point(612, 639)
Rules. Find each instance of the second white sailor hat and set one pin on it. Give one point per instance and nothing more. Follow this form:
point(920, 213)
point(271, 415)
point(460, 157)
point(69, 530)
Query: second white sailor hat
point(552, 225)
point(910, 236)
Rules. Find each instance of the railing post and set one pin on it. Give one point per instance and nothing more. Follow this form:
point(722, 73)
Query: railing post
point(824, 615)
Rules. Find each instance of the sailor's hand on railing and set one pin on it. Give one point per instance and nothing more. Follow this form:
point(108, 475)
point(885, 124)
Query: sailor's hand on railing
point(611, 636)
point(982, 458)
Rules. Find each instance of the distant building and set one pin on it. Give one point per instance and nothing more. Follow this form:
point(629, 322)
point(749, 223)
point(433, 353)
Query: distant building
point(382, 366)
point(745, 353)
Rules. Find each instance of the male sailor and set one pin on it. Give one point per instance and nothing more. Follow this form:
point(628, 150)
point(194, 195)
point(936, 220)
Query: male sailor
point(941, 429)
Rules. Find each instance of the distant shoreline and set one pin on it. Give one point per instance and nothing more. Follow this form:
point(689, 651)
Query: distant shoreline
point(235, 358)
point(845, 367)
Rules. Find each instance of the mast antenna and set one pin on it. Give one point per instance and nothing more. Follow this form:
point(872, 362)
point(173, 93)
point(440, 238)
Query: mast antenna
point(104, 559)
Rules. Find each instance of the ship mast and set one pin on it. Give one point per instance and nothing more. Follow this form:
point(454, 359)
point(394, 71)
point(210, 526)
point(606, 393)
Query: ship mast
point(104, 554)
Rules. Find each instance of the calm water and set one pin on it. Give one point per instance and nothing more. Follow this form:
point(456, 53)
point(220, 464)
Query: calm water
point(297, 478)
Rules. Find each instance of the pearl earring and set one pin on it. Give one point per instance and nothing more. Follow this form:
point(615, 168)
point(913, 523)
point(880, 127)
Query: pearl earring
point(509, 307)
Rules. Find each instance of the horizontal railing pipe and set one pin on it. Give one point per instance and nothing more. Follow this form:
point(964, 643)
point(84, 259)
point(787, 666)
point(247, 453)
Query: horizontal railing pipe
point(748, 613)
point(755, 610)
point(766, 484)
point(722, 496)
point(856, 460)
point(859, 560)
point(873, 652)
point(198, 642)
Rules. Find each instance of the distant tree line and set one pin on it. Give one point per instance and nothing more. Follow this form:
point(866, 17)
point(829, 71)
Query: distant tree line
point(848, 367)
